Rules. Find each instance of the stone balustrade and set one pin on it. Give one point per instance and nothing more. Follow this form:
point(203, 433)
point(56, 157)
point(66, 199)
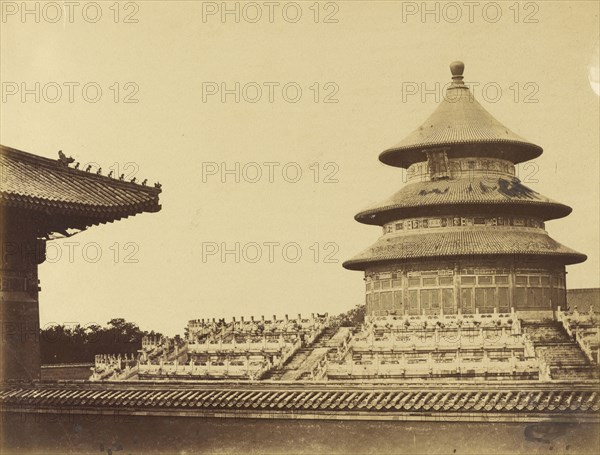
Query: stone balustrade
point(111, 366)
point(278, 345)
point(439, 339)
point(426, 366)
point(319, 370)
point(584, 328)
point(507, 320)
point(572, 318)
point(308, 327)
point(240, 367)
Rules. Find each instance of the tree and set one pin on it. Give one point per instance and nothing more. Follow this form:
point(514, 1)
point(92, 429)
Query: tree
point(77, 344)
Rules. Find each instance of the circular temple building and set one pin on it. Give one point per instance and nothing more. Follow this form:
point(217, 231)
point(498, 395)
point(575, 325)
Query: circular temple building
point(464, 235)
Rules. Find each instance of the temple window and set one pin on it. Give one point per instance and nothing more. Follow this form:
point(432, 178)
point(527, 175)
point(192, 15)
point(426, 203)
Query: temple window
point(485, 298)
point(521, 280)
point(446, 281)
point(501, 279)
point(429, 281)
point(486, 279)
point(398, 300)
point(437, 164)
point(467, 280)
point(414, 282)
point(503, 297)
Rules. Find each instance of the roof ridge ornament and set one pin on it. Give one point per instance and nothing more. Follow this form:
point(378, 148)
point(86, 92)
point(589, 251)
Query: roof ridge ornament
point(457, 68)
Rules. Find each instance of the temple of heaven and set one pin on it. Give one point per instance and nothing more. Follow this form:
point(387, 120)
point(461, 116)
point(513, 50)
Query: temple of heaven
point(467, 319)
point(464, 235)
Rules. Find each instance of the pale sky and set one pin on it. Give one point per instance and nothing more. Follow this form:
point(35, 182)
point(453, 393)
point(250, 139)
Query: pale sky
point(540, 55)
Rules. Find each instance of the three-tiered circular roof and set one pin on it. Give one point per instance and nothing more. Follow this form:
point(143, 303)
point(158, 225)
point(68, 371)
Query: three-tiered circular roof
point(462, 127)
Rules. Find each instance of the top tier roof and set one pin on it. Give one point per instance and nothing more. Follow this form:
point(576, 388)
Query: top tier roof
point(62, 197)
point(460, 120)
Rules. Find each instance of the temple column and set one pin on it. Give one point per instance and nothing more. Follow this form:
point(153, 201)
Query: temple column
point(511, 287)
point(456, 282)
point(19, 303)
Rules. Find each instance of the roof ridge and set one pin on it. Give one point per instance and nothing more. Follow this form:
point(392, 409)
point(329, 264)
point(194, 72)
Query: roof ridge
point(55, 164)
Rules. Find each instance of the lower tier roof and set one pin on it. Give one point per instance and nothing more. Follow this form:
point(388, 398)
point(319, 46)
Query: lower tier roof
point(472, 241)
point(477, 193)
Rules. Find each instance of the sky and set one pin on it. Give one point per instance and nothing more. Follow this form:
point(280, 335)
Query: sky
point(264, 123)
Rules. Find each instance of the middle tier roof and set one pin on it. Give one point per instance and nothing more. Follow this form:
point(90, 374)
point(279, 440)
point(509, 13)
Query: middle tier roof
point(477, 194)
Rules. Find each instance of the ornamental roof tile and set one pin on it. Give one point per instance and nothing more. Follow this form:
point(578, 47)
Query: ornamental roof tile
point(49, 187)
point(464, 241)
point(381, 400)
point(431, 196)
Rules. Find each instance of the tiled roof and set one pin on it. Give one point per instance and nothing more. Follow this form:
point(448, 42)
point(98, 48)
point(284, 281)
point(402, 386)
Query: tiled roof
point(464, 242)
point(463, 398)
point(45, 185)
point(460, 119)
point(440, 195)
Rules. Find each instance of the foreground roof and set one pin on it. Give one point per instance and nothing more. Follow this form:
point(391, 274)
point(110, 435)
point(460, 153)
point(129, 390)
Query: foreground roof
point(460, 120)
point(71, 198)
point(409, 401)
point(472, 241)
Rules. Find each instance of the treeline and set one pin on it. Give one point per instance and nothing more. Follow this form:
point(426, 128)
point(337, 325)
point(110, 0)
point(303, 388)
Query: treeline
point(352, 318)
point(76, 344)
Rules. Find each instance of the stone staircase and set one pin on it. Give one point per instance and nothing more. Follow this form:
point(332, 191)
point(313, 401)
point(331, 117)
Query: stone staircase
point(323, 339)
point(293, 364)
point(562, 354)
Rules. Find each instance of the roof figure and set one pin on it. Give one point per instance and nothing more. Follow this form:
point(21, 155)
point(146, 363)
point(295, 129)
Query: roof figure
point(63, 197)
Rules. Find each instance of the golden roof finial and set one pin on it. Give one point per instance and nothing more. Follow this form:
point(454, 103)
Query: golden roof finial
point(457, 68)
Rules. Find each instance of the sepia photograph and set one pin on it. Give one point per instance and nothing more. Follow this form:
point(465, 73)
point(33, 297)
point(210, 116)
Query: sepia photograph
point(299, 227)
